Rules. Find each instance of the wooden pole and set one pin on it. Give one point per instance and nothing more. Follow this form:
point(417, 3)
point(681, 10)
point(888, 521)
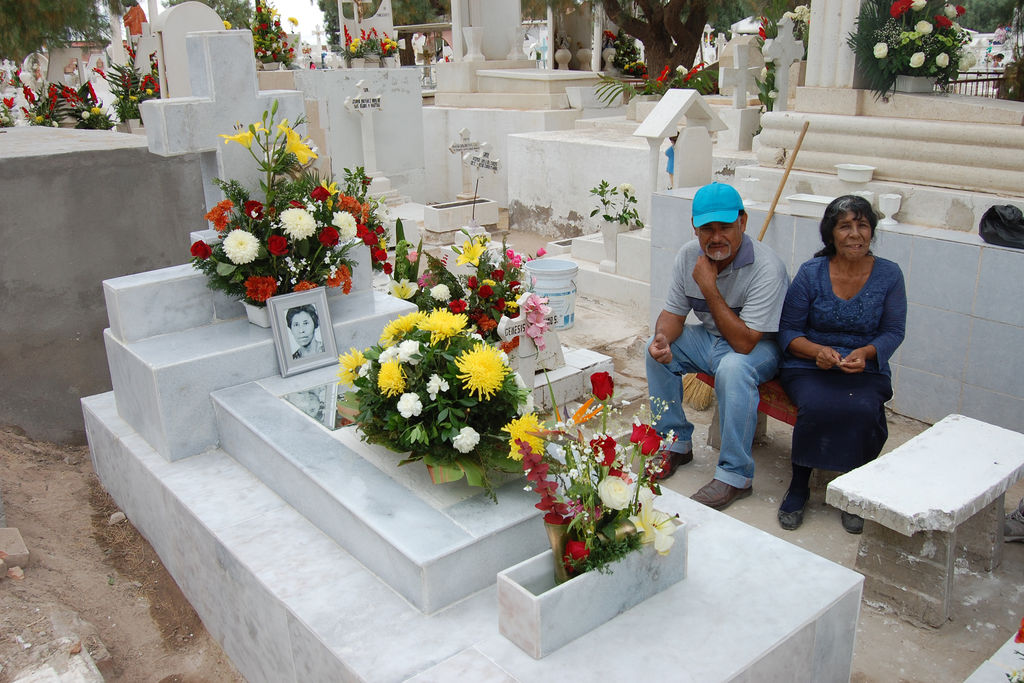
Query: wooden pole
point(785, 177)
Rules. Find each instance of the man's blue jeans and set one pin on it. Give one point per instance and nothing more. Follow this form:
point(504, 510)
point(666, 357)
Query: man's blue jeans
point(736, 378)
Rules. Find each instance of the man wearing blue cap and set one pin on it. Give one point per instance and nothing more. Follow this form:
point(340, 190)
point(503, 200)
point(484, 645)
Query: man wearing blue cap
point(736, 287)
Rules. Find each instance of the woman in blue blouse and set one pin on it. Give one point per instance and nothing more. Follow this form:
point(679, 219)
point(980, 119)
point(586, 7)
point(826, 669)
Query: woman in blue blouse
point(845, 315)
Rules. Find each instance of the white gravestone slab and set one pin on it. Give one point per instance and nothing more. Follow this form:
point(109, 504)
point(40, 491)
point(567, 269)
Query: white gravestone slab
point(693, 146)
point(462, 147)
point(783, 51)
point(170, 29)
point(223, 81)
point(366, 105)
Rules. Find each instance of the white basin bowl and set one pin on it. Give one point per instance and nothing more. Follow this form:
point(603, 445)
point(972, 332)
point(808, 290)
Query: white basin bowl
point(855, 173)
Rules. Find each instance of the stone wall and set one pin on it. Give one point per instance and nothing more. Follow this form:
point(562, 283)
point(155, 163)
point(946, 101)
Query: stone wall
point(78, 207)
point(965, 322)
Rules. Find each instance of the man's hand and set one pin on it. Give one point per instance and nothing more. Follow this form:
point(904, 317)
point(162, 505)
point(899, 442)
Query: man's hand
point(705, 274)
point(660, 349)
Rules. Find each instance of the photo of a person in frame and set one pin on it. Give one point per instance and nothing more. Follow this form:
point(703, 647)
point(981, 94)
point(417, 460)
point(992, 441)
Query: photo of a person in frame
point(303, 323)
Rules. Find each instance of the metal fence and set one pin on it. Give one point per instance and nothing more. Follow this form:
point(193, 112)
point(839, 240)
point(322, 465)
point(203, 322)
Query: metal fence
point(977, 83)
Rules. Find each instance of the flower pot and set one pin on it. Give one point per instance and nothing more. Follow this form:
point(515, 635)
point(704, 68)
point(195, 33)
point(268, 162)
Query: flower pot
point(583, 56)
point(610, 231)
point(915, 84)
point(541, 616)
point(371, 61)
point(474, 36)
point(358, 62)
point(608, 54)
point(562, 57)
point(135, 127)
point(270, 66)
point(258, 315)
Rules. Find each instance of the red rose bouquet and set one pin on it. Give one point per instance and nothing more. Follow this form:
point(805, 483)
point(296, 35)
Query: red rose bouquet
point(296, 237)
point(597, 491)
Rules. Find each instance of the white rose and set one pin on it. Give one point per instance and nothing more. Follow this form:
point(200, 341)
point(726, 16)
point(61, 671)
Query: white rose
point(346, 225)
point(625, 187)
point(881, 50)
point(297, 223)
point(441, 292)
point(85, 115)
point(949, 11)
point(241, 247)
point(773, 94)
point(918, 5)
point(923, 27)
point(615, 493)
point(466, 440)
point(916, 60)
point(942, 60)
point(408, 349)
point(409, 405)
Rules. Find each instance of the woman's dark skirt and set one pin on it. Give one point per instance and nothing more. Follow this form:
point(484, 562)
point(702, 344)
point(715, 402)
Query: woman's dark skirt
point(840, 421)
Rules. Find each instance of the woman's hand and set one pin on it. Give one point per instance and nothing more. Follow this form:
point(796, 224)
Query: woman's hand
point(855, 361)
point(827, 358)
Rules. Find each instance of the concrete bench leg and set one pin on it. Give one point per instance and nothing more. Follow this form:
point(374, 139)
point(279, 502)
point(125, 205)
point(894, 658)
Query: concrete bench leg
point(715, 430)
point(913, 574)
point(980, 539)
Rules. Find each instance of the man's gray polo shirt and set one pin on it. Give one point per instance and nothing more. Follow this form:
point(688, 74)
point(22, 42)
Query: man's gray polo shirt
point(753, 286)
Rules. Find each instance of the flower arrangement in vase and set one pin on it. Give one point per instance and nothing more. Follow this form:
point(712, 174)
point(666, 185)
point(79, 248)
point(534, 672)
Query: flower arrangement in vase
point(699, 78)
point(88, 110)
point(616, 204)
point(297, 237)
point(433, 387)
point(598, 494)
point(270, 42)
point(130, 88)
point(909, 38)
point(484, 294)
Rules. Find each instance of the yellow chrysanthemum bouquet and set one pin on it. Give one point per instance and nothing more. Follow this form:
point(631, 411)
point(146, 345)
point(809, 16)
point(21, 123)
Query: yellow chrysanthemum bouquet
point(435, 389)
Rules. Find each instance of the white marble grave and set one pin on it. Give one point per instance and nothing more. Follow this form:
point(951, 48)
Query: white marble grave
point(168, 33)
point(783, 51)
point(224, 89)
point(742, 120)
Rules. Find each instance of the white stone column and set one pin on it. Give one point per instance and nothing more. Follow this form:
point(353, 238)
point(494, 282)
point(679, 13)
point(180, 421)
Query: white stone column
point(458, 23)
point(549, 56)
point(830, 60)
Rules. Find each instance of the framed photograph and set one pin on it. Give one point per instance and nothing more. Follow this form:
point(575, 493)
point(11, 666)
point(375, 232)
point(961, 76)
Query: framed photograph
point(303, 334)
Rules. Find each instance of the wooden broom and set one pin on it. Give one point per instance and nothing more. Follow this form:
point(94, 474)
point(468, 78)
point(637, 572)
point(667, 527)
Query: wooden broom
point(696, 394)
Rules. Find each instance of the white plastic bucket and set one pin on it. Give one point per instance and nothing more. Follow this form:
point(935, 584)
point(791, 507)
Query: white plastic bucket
point(555, 279)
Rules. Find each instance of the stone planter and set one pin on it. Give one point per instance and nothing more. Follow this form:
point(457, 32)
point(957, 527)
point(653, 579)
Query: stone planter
point(540, 616)
point(258, 315)
point(583, 57)
point(610, 232)
point(357, 63)
point(270, 66)
point(915, 84)
point(562, 58)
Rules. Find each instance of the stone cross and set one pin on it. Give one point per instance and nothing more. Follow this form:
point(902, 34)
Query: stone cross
point(783, 51)
point(526, 358)
point(319, 33)
point(366, 105)
point(482, 160)
point(224, 93)
point(740, 76)
point(463, 146)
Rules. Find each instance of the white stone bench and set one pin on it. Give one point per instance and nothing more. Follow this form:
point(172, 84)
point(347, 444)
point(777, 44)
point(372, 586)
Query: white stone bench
point(932, 503)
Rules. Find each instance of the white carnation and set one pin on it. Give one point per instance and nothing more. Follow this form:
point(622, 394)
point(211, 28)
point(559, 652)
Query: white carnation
point(916, 60)
point(388, 354)
point(409, 405)
point(625, 187)
point(528, 406)
point(949, 11)
point(346, 225)
point(436, 385)
point(466, 440)
point(942, 60)
point(918, 5)
point(923, 27)
point(408, 349)
point(881, 51)
point(241, 247)
point(441, 292)
point(297, 223)
point(364, 369)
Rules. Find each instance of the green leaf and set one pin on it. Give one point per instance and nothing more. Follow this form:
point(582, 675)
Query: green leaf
point(224, 269)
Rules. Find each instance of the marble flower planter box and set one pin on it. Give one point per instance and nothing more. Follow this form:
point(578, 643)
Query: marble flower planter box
point(540, 616)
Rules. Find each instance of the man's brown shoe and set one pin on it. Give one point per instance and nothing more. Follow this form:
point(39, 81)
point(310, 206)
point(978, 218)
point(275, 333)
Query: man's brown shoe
point(719, 495)
point(666, 462)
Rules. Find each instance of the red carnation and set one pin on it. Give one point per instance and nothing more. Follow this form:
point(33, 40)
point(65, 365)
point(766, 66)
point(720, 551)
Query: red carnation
point(253, 209)
point(960, 10)
point(499, 305)
point(602, 385)
point(387, 269)
point(943, 21)
point(899, 8)
point(485, 291)
point(514, 284)
point(380, 255)
point(201, 249)
point(471, 282)
point(329, 237)
point(319, 193)
point(457, 306)
point(379, 230)
point(498, 274)
point(369, 239)
point(277, 245)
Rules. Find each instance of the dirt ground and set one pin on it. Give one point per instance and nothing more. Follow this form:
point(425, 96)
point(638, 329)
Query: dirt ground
point(101, 584)
point(104, 585)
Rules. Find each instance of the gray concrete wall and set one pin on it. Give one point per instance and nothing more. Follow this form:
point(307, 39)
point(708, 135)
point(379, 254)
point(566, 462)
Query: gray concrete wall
point(78, 207)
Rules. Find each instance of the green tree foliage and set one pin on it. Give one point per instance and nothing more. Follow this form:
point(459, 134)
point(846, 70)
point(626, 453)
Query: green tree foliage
point(28, 25)
point(238, 13)
point(986, 16)
point(669, 29)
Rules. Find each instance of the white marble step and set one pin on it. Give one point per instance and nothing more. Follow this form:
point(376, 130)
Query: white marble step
point(414, 535)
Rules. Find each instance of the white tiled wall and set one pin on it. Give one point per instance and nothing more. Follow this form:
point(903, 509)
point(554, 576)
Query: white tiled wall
point(964, 350)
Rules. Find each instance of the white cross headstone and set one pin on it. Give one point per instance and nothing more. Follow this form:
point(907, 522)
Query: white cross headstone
point(224, 92)
point(463, 146)
point(482, 161)
point(783, 51)
point(319, 33)
point(740, 76)
point(527, 358)
point(366, 104)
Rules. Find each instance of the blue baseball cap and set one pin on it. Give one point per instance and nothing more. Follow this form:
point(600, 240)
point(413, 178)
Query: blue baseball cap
point(716, 202)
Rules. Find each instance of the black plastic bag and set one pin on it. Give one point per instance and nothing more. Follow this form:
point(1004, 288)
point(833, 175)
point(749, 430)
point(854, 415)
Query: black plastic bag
point(1003, 225)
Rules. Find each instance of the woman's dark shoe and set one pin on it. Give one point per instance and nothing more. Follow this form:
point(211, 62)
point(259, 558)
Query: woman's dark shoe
point(791, 520)
point(854, 524)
